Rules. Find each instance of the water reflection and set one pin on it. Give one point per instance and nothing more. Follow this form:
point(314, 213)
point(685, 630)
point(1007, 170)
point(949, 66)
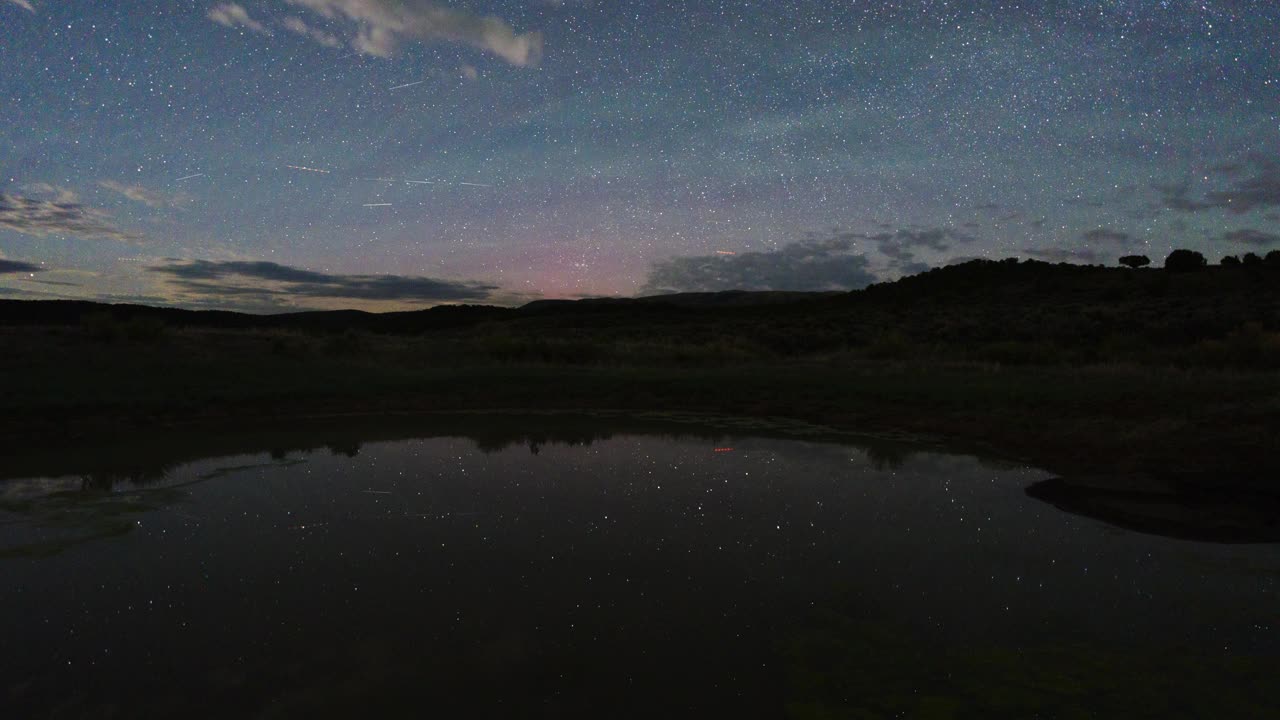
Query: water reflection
point(150, 457)
point(46, 516)
point(1185, 508)
point(100, 491)
point(523, 567)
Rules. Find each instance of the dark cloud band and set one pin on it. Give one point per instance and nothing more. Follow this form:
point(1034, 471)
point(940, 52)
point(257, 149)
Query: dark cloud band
point(1251, 237)
point(272, 282)
point(808, 265)
point(1254, 185)
point(17, 266)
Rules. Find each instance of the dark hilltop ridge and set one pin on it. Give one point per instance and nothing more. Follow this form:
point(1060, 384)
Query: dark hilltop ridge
point(958, 306)
point(1083, 369)
point(1009, 312)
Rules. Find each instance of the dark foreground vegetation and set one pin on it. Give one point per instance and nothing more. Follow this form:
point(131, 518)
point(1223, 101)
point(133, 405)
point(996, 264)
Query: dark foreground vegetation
point(1075, 368)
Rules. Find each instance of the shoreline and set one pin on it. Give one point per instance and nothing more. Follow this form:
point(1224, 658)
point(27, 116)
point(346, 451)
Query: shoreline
point(989, 416)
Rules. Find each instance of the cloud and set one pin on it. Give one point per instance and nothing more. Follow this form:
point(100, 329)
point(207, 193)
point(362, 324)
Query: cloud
point(1250, 237)
point(297, 25)
point(56, 283)
point(17, 266)
point(807, 265)
point(902, 241)
point(270, 282)
point(816, 263)
point(60, 194)
point(24, 5)
point(150, 198)
point(901, 245)
point(41, 218)
point(1090, 257)
point(1107, 235)
point(234, 15)
point(382, 25)
point(1254, 185)
point(914, 268)
point(1178, 197)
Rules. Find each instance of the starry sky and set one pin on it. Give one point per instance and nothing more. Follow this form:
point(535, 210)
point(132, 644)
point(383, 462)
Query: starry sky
point(276, 155)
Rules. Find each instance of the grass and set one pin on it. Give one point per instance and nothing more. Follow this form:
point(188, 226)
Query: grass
point(1071, 418)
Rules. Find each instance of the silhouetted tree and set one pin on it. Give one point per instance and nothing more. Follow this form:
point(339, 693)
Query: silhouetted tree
point(1251, 259)
point(1135, 261)
point(1229, 261)
point(1184, 261)
point(1272, 258)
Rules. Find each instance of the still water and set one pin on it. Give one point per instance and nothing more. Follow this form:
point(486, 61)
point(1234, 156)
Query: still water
point(632, 573)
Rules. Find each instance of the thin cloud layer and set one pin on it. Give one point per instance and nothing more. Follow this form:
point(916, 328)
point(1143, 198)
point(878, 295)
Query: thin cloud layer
point(58, 194)
point(299, 26)
point(901, 245)
point(1251, 185)
point(1107, 235)
point(1251, 237)
point(137, 193)
point(383, 25)
point(272, 283)
point(813, 264)
point(60, 216)
point(24, 5)
point(810, 265)
point(233, 15)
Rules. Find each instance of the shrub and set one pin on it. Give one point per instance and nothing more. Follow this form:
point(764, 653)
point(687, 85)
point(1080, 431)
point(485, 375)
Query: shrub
point(891, 345)
point(1135, 261)
point(1013, 352)
point(144, 329)
point(1272, 258)
point(1184, 261)
point(349, 342)
point(289, 345)
point(1247, 346)
point(1229, 261)
point(103, 326)
point(1251, 259)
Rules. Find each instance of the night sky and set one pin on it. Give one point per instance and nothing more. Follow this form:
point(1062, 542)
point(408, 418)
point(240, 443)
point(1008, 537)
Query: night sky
point(272, 155)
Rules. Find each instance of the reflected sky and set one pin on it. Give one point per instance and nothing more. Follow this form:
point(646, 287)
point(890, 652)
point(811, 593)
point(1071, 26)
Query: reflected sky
point(631, 575)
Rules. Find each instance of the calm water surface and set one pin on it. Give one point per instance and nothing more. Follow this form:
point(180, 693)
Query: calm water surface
point(638, 575)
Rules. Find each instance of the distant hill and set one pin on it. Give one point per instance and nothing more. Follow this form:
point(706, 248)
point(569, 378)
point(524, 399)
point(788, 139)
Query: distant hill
point(1027, 311)
point(1088, 368)
point(72, 312)
point(698, 300)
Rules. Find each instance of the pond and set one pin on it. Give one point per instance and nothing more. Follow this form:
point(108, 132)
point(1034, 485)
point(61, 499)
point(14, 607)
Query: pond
point(557, 567)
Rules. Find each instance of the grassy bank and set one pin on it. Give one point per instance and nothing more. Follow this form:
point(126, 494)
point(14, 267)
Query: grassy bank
point(1076, 369)
point(65, 383)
